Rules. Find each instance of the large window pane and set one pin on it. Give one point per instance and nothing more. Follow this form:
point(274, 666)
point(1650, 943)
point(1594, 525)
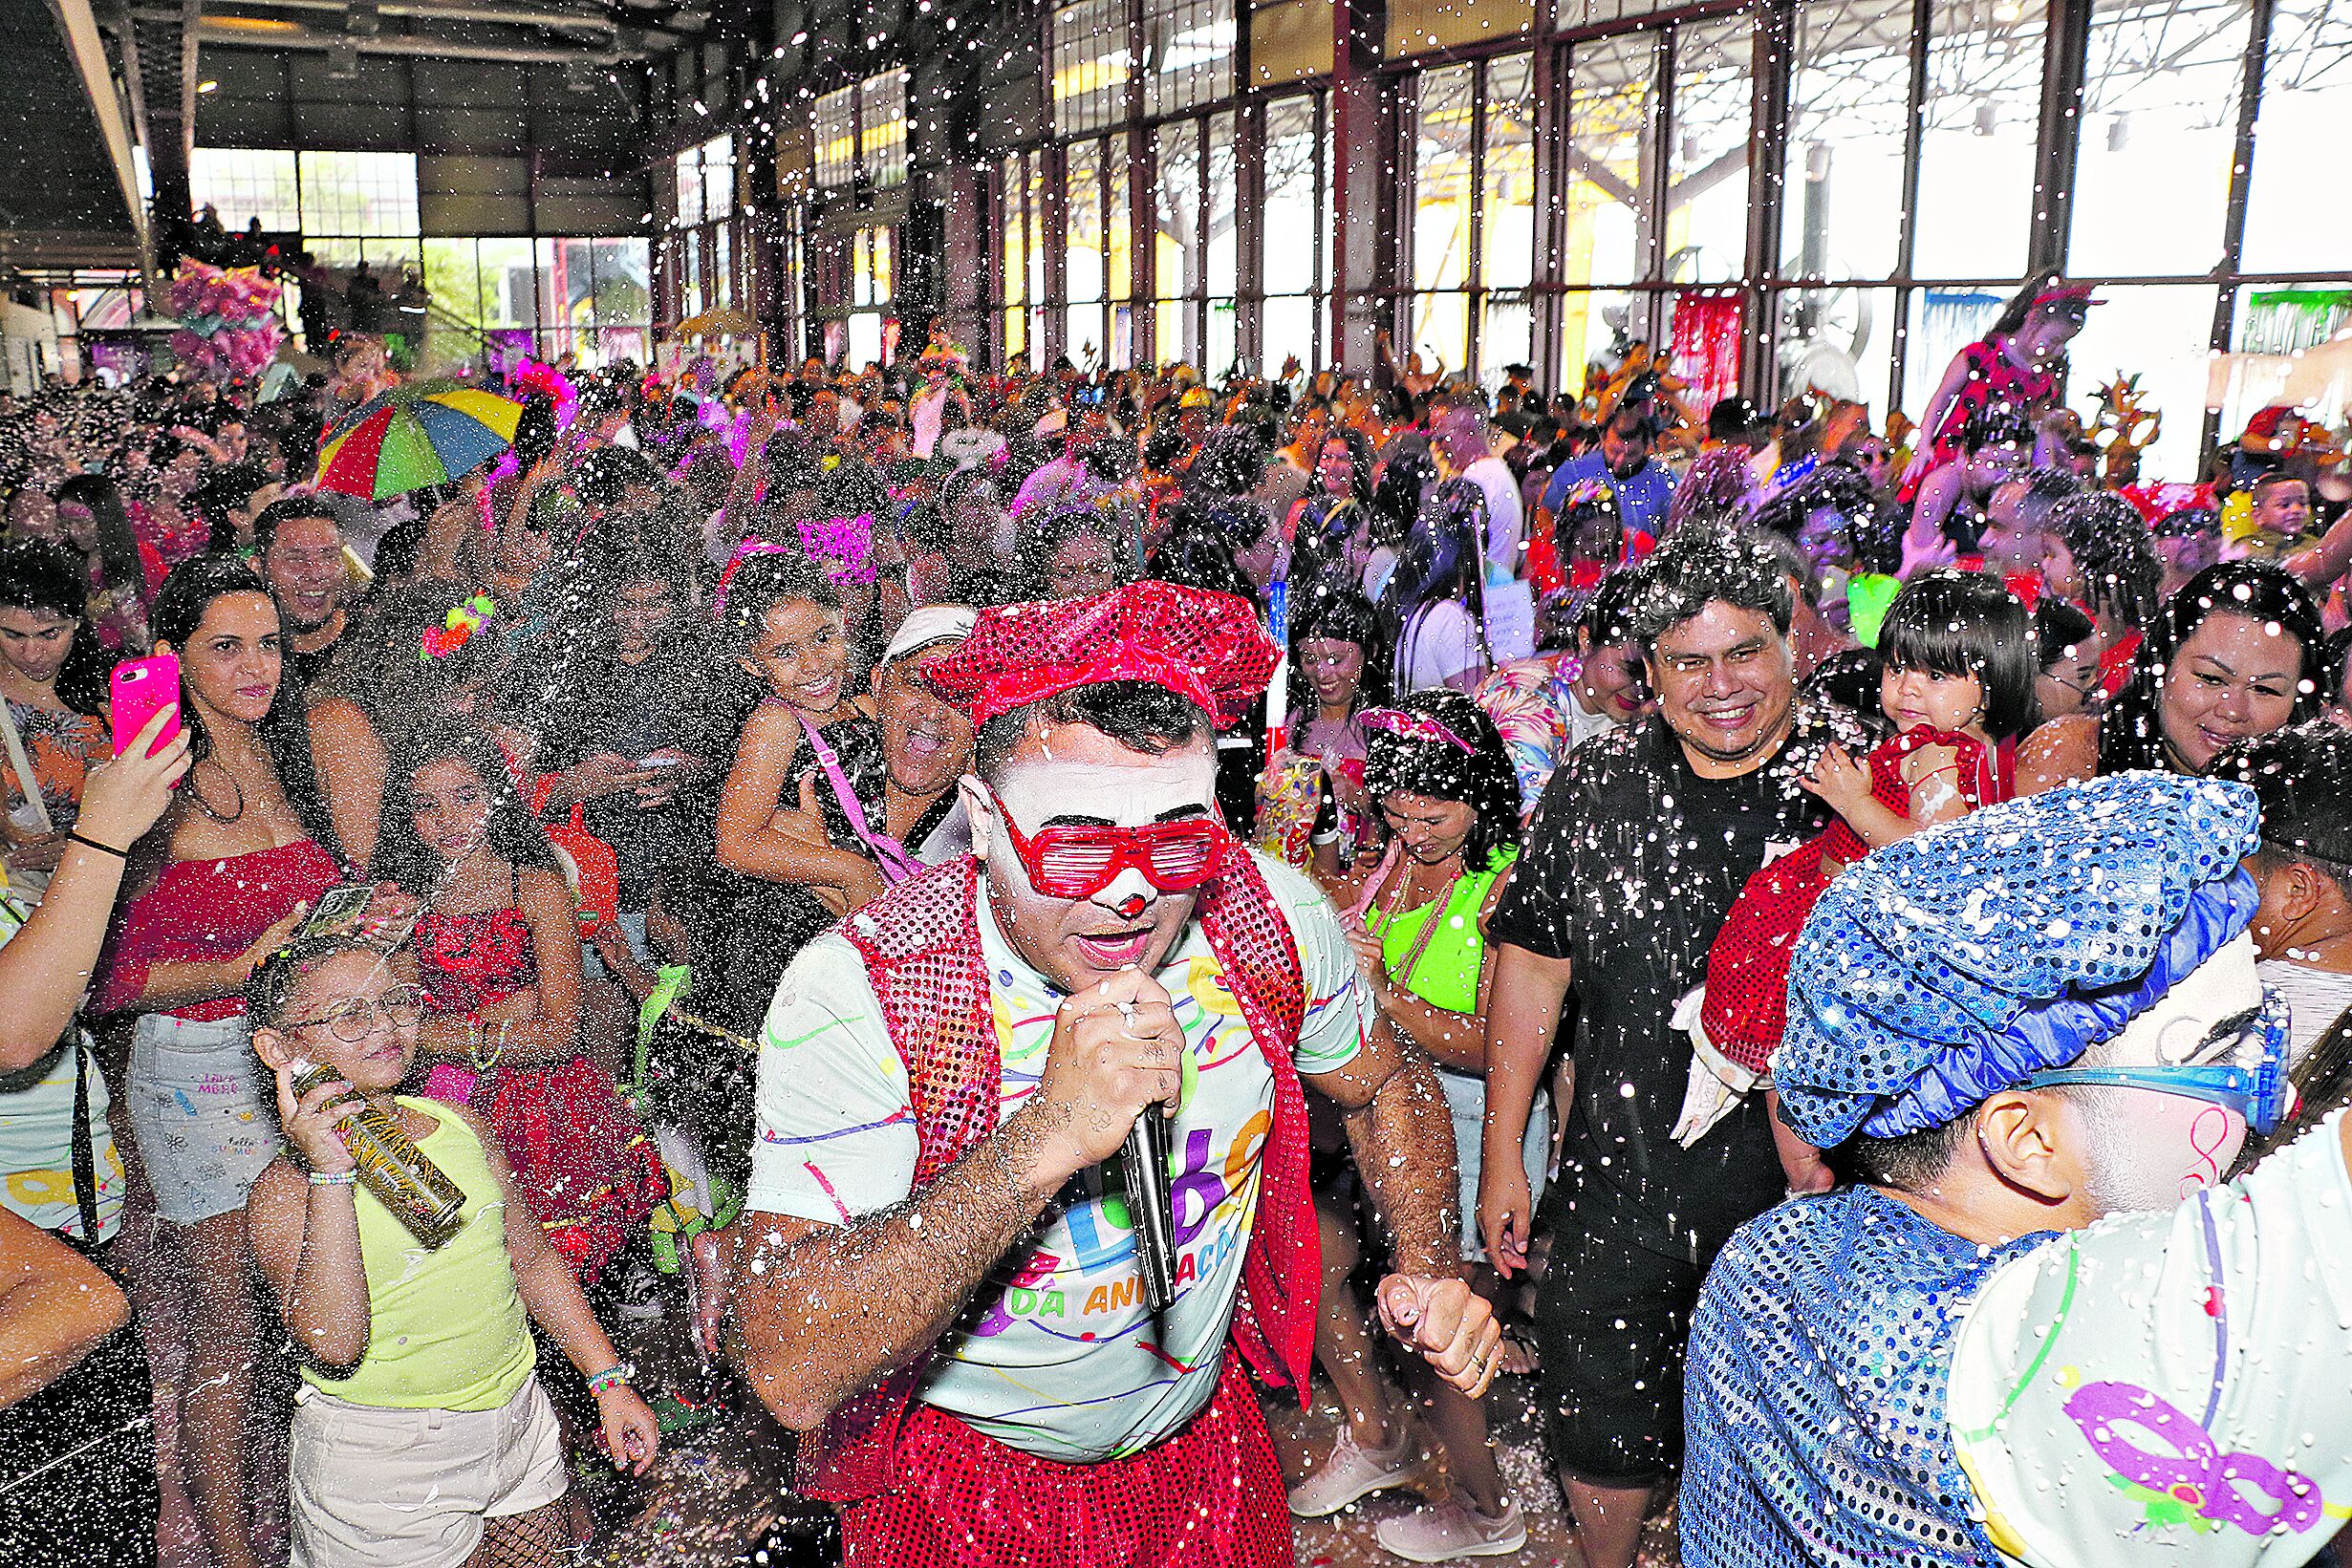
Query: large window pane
point(1612, 131)
point(1596, 326)
point(358, 193)
point(2306, 104)
point(1707, 170)
point(718, 177)
point(1506, 332)
point(1187, 55)
point(2160, 95)
point(1441, 179)
point(2164, 336)
point(1288, 331)
point(1704, 329)
point(1119, 235)
point(511, 282)
point(1176, 258)
point(622, 295)
point(1849, 94)
point(1083, 164)
point(1288, 265)
point(1090, 65)
point(1943, 322)
point(244, 182)
point(1507, 181)
point(1840, 341)
point(882, 128)
point(1037, 250)
point(1977, 144)
point(1224, 240)
point(1441, 331)
point(2270, 367)
point(834, 120)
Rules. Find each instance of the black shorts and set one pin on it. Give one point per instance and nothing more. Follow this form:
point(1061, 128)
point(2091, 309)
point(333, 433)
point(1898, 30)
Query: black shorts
point(1612, 1324)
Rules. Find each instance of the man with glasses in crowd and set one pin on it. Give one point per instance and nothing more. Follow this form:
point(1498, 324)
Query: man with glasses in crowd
point(936, 1275)
point(2039, 1329)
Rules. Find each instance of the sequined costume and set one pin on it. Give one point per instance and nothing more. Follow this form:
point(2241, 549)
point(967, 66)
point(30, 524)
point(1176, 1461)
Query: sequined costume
point(587, 1170)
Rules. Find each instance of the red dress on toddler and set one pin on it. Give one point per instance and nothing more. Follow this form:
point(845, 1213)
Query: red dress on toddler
point(581, 1161)
point(1739, 1017)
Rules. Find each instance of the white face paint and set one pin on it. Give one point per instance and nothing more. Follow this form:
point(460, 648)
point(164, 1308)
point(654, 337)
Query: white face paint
point(2148, 1149)
point(1073, 775)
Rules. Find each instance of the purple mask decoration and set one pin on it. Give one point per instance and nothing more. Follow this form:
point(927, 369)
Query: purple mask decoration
point(845, 545)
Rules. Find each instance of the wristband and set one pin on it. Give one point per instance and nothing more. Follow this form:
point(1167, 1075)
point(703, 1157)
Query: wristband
point(333, 1178)
point(76, 836)
point(614, 1376)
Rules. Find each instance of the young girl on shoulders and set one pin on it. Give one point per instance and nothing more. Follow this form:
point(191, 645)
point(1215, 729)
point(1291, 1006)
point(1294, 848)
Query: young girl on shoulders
point(1957, 689)
point(791, 641)
point(422, 1433)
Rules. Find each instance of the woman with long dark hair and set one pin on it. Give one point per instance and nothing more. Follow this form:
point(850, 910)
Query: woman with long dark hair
point(498, 953)
point(2237, 654)
point(1331, 527)
point(1311, 802)
point(247, 849)
point(1436, 604)
point(123, 574)
point(1445, 787)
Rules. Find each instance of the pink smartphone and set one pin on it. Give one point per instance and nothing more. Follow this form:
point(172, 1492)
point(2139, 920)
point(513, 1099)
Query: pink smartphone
point(141, 688)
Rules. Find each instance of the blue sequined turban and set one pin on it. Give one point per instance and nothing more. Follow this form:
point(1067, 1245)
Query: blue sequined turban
point(1947, 967)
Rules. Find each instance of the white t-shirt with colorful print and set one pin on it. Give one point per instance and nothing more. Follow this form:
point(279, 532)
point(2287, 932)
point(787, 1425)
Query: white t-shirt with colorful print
point(1057, 1356)
point(2172, 1387)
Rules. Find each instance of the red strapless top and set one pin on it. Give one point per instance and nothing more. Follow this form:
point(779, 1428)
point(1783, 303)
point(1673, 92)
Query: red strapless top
point(467, 963)
point(205, 911)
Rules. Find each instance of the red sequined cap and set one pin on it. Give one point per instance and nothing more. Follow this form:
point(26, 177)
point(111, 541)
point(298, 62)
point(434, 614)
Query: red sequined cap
point(1204, 646)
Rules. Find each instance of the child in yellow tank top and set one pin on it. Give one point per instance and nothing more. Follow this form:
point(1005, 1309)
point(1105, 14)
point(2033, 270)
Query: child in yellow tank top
point(421, 1432)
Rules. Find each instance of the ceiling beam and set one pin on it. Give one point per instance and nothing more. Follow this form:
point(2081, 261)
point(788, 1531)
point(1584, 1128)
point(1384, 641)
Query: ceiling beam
point(263, 33)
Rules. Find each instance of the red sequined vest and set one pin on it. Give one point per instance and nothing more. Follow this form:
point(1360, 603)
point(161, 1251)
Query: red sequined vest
point(921, 945)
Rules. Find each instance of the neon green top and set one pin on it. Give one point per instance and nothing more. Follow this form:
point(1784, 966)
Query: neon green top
point(1446, 975)
point(446, 1330)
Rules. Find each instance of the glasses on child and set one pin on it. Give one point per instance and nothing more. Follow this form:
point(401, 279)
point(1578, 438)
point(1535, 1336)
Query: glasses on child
point(352, 1020)
point(1079, 862)
point(2249, 1076)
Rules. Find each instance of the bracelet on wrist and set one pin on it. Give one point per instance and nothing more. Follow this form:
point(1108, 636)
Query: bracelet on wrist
point(333, 1178)
point(617, 1375)
point(76, 836)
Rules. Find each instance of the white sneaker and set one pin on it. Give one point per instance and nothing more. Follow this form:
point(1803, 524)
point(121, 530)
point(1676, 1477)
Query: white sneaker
point(1354, 1471)
point(1445, 1530)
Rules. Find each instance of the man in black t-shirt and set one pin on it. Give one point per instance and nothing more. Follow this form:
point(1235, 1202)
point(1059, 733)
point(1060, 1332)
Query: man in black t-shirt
point(1637, 850)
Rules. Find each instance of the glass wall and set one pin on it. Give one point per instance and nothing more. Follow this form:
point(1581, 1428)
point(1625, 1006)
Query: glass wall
point(593, 298)
point(861, 132)
point(1560, 205)
point(1294, 233)
point(1473, 235)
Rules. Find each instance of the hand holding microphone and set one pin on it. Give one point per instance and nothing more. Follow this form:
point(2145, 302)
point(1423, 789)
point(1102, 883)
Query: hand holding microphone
point(1112, 1073)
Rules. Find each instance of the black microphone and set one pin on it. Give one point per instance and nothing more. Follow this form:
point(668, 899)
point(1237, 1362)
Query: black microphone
point(1150, 1209)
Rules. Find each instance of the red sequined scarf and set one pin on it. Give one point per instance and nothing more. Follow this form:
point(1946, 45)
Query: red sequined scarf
point(922, 950)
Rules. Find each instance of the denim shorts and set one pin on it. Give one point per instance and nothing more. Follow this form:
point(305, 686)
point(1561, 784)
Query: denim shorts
point(204, 1113)
point(1465, 1096)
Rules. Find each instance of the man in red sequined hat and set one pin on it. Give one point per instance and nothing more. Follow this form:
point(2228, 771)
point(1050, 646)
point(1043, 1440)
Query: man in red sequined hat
point(935, 1277)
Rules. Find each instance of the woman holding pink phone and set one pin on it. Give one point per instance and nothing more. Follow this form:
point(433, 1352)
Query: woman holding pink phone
point(226, 876)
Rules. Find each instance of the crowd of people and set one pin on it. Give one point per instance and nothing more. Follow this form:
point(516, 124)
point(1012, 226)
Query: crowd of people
point(1690, 812)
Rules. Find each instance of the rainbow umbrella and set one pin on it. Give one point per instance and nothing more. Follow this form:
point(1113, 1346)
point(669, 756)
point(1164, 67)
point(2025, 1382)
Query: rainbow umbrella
point(415, 436)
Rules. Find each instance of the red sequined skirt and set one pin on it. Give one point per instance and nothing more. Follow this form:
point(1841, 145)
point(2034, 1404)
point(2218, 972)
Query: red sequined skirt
point(1209, 1497)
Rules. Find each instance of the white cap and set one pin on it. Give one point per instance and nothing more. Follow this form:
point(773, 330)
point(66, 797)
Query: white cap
point(928, 624)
